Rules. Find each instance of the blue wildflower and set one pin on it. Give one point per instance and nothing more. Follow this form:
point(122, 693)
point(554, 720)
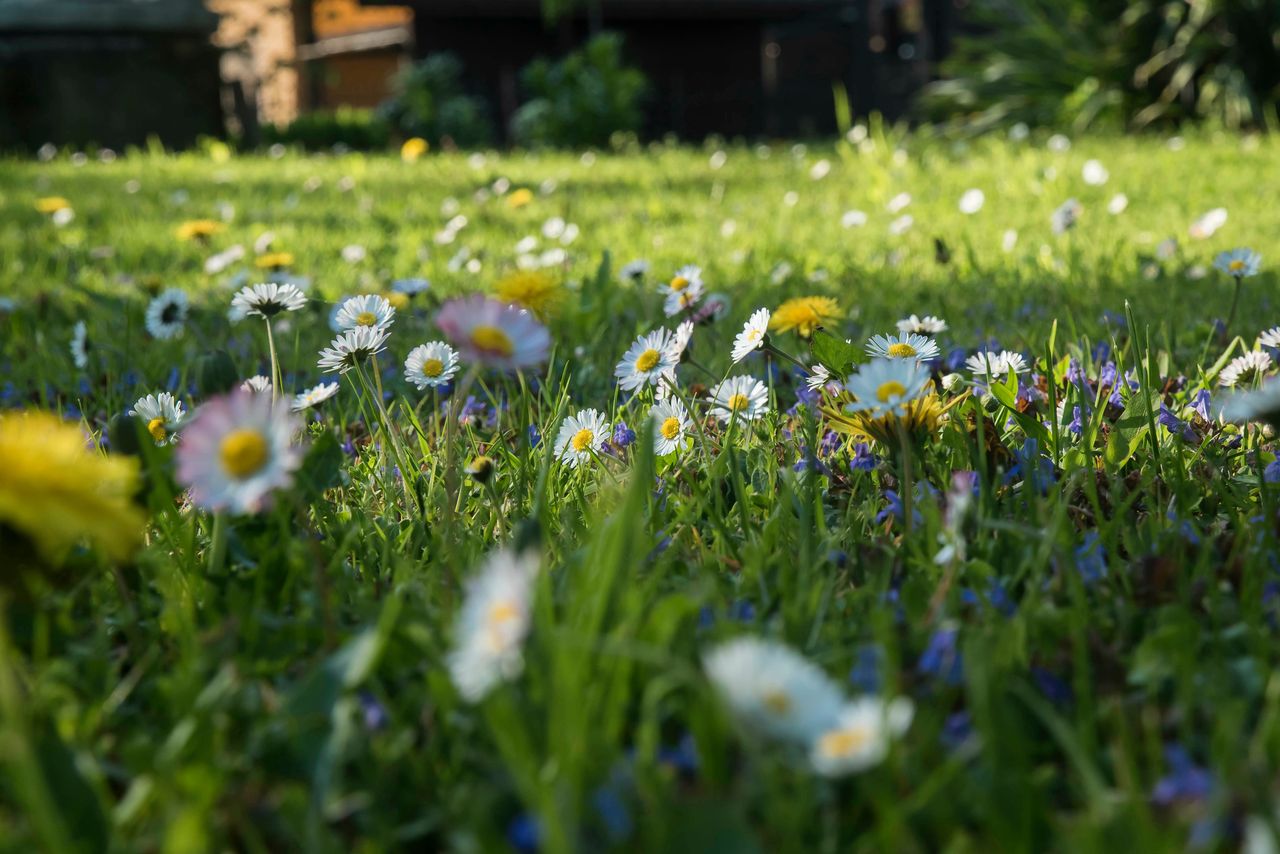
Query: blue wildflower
point(1185, 781)
point(863, 459)
point(941, 659)
point(1091, 559)
point(623, 435)
point(868, 662)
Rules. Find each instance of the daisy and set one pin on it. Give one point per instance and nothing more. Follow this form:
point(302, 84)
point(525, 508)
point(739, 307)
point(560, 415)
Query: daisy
point(818, 377)
point(927, 325)
point(1207, 225)
point(996, 364)
point(646, 360)
point(686, 277)
point(904, 345)
point(268, 299)
point(493, 333)
point(1270, 337)
point(162, 413)
point(366, 310)
point(80, 345)
point(1260, 404)
point(581, 436)
point(352, 347)
point(861, 736)
point(885, 386)
point(256, 384)
point(972, 201)
point(492, 625)
point(1243, 370)
point(685, 298)
point(1094, 173)
point(773, 690)
point(752, 335)
point(1239, 263)
point(167, 314)
point(236, 451)
point(313, 397)
point(744, 398)
point(671, 426)
point(1064, 218)
point(431, 365)
point(680, 339)
point(634, 271)
point(411, 287)
point(804, 315)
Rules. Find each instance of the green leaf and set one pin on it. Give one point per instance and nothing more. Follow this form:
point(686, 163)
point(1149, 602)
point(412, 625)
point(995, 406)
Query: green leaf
point(833, 353)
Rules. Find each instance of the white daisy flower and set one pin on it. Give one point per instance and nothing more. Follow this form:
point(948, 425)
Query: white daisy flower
point(431, 365)
point(1243, 370)
point(646, 360)
point(1207, 225)
point(582, 436)
point(494, 333)
point(752, 335)
point(818, 378)
point(687, 276)
point(687, 297)
point(773, 690)
point(1064, 218)
point(1094, 173)
point(1239, 263)
point(236, 451)
point(927, 325)
point(167, 314)
point(634, 271)
point(671, 426)
point(972, 201)
point(861, 736)
point(1118, 204)
point(853, 219)
point(904, 345)
point(314, 396)
point(256, 384)
point(411, 287)
point(741, 398)
point(898, 202)
point(1260, 404)
point(885, 386)
point(80, 345)
point(1270, 337)
point(352, 347)
point(354, 253)
point(901, 225)
point(267, 299)
point(365, 310)
point(989, 363)
point(162, 413)
point(680, 339)
point(488, 641)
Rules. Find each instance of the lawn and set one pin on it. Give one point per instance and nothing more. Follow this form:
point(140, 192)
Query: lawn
point(930, 605)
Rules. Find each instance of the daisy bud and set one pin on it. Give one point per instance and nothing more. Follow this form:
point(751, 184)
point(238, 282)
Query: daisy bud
point(951, 382)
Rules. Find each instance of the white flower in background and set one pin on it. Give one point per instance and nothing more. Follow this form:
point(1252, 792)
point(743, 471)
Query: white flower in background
point(1239, 263)
point(884, 387)
point(219, 261)
point(493, 333)
point(1245, 369)
point(314, 396)
point(901, 225)
point(634, 271)
point(1009, 241)
point(1094, 173)
point(861, 736)
point(853, 219)
point(354, 253)
point(431, 365)
point(1118, 204)
point(365, 310)
point(1207, 225)
point(167, 314)
point(972, 201)
point(496, 614)
point(927, 325)
point(257, 384)
point(997, 365)
point(1260, 404)
point(1065, 217)
point(671, 426)
point(352, 347)
point(791, 198)
point(1270, 337)
point(739, 398)
point(751, 337)
point(820, 170)
point(80, 345)
point(680, 339)
point(773, 690)
point(411, 287)
point(904, 345)
point(898, 202)
point(646, 361)
point(62, 217)
point(582, 436)
point(162, 413)
point(1059, 143)
point(267, 300)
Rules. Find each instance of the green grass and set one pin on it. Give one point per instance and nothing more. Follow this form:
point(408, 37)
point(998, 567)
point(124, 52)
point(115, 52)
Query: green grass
point(294, 694)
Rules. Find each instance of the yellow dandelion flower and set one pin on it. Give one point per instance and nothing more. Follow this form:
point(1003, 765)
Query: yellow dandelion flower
point(519, 198)
point(413, 148)
point(56, 493)
point(532, 289)
point(399, 301)
point(52, 204)
point(804, 314)
point(274, 260)
point(198, 229)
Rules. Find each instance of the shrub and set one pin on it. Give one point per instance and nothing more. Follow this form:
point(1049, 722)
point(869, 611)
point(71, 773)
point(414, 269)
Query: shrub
point(582, 99)
point(360, 130)
point(430, 102)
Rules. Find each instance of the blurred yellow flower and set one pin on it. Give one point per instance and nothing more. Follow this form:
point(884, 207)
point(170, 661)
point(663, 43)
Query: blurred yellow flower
point(925, 417)
point(399, 301)
point(413, 149)
point(198, 229)
point(274, 260)
point(531, 289)
point(804, 314)
point(52, 204)
point(56, 492)
point(519, 198)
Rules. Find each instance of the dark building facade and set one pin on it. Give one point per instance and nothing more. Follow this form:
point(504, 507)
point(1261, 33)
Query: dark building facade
point(732, 67)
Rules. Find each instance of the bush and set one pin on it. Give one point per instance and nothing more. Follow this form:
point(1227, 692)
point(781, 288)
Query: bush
point(582, 99)
point(1081, 63)
point(360, 130)
point(430, 102)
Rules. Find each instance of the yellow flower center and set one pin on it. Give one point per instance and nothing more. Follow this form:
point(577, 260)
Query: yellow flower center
point(1236, 266)
point(646, 360)
point(679, 283)
point(432, 367)
point(398, 300)
point(891, 389)
point(582, 439)
point(843, 742)
point(738, 401)
point(502, 612)
point(901, 351)
point(492, 341)
point(156, 428)
point(243, 453)
point(366, 318)
point(776, 702)
point(671, 428)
